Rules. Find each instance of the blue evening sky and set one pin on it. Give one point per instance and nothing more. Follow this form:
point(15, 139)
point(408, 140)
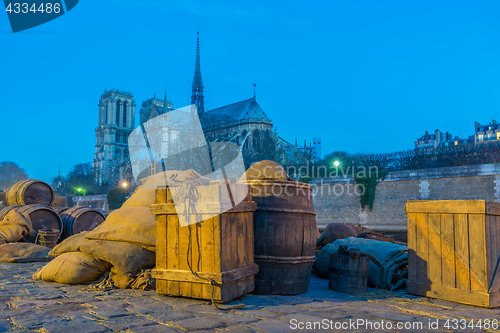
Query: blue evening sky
point(365, 76)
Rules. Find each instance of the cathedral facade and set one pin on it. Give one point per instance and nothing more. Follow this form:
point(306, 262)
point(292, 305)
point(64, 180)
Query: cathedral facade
point(115, 123)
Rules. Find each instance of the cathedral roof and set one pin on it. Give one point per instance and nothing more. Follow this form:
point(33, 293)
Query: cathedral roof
point(247, 109)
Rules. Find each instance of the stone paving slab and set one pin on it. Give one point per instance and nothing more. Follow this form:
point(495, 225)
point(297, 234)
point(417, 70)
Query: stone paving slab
point(35, 306)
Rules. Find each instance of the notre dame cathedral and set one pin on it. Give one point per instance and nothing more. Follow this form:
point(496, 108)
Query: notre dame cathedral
point(246, 123)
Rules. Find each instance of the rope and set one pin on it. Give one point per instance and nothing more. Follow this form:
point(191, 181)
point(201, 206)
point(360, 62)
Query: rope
point(188, 193)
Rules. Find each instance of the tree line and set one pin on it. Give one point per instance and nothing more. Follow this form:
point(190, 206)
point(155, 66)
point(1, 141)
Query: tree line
point(349, 163)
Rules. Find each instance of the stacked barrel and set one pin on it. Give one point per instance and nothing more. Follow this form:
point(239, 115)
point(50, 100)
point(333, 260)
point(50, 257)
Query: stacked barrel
point(34, 198)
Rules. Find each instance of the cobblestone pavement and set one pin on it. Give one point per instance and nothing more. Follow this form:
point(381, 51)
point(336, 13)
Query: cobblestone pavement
point(27, 305)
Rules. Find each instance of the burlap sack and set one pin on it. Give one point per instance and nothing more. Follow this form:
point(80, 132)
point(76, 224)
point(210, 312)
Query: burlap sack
point(14, 226)
point(127, 258)
point(134, 225)
point(72, 268)
point(336, 231)
point(141, 281)
point(144, 195)
point(119, 280)
point(24, 252)
point(264, 170)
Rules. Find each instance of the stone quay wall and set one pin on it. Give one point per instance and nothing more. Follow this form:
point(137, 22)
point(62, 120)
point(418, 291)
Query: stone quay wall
point(337, 199)
point(93, 201)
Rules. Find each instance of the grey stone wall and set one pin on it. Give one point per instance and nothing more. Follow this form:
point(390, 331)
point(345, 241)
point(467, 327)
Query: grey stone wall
point(337, 200)
point(92, 201)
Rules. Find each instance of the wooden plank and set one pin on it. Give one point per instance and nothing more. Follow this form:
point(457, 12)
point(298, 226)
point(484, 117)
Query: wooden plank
point(184, 287)
point(477, 252)
point(173, 251)
point(233, 240)
point(241, 236)
point(161, 241)
point(434, 259)
point(220, 277)
point(493, 208)
point(447, 206)
point(460, 222)
point(217, 250)
point(422, 247)
point(495, 282)
point(207, 244)
point(250, 239)
point(204, 208)
point(490, 250)
point(225, 246)
point(448, 250)
point(196, 241)
point(412, 247)
point(476, 298)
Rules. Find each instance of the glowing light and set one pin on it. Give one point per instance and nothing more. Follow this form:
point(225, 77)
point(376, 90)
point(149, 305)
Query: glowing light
point(336, 163)
point(79, 189)
point(124, 184)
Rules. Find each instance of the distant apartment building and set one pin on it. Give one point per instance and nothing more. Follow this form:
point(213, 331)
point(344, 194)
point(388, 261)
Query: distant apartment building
point(483, 134)
point(487, 133)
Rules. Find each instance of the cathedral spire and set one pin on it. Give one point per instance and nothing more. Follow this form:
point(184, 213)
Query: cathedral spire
point(197, 87)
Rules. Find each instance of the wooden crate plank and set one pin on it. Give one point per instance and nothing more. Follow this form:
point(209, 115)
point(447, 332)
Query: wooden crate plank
point(241, 236)
point(476, 298)
point(490, 250)
point(196, 241)
point(250, 239)
point(173, 251)
point(233, 240)
point(422, 247)
point(460, 222)
point(448, 250)
point(161, 241)
point(492, 208)
point(412, 247)
point(494, 286)
point(207, 245)
point(434, 262)
point(477, 252)
point(447, 207)
point(184, 287)
point(217, 251)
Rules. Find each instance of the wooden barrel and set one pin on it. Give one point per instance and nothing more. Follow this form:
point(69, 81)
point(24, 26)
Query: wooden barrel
point(30, 192)
point(285, 236)
point(78, 219)
point(348, 274)
point(5, 210)
point(42, 218)
point(58, 201)
point(47, 238)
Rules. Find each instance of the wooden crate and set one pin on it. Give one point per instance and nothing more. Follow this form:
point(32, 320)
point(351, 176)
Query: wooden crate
point(226, 247)
point(454, 250)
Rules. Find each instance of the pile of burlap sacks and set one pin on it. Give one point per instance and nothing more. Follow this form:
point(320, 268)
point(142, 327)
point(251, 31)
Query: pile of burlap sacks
point(121, 251)
point(13, 227)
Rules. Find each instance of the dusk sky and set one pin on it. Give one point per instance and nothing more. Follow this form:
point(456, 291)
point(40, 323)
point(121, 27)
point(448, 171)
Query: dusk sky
point(365, 76)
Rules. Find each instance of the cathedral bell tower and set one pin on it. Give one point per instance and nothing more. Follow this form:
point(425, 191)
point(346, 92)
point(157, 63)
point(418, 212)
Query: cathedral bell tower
point(197, 87)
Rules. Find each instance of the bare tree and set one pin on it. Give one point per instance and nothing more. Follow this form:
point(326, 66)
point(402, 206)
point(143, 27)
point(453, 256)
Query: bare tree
point(10, 173)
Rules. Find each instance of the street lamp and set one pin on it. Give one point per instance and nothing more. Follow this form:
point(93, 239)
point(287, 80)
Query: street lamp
point(336, 163)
